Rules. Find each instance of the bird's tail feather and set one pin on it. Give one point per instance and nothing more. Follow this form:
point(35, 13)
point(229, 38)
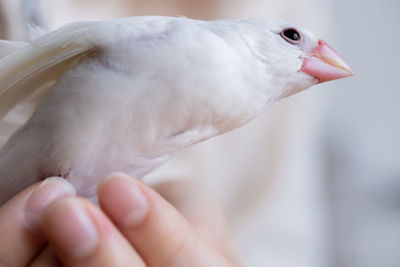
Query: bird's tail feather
point(33, 68)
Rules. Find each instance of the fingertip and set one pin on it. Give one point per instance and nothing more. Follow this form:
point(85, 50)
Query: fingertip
point(110, 177)
point(43, 195)
point(59, 181)
point(82, 235)
point(123, 198)
point(70, 229)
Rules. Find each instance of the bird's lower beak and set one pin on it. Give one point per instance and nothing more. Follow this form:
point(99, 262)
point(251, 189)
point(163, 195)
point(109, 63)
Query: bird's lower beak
point(325, 64)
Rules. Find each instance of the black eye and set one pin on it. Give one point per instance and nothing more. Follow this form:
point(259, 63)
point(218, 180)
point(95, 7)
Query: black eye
point(291, 35)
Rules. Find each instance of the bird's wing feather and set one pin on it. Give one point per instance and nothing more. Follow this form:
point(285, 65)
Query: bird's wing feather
point(8, 47)
point(35, 67)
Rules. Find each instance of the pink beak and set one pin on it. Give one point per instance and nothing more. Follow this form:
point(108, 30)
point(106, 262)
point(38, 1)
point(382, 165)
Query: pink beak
point(325, 64)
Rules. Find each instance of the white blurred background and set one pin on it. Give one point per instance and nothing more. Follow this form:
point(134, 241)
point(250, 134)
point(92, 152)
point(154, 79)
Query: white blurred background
point(315, 181)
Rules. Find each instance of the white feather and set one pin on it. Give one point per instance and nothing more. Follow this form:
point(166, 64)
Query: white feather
point(40, 63)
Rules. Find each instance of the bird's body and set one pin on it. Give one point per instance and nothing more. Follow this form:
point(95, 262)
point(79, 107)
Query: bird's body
point(124, 95)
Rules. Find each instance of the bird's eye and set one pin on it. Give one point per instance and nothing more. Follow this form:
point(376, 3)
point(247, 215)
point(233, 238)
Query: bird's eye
point(291, 35)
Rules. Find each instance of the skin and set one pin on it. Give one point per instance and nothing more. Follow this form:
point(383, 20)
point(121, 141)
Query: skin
point(173, 224)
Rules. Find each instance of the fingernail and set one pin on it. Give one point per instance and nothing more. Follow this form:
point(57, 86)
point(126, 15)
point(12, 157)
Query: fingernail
point(71, 229)
point(43, 195)
point(122, 191)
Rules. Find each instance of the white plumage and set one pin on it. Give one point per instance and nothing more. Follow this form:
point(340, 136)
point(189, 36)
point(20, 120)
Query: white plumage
point(124, 95)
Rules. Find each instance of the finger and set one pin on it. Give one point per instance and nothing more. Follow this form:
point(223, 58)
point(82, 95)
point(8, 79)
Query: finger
point(20, 219)
point(202, 210)
point(82, 235)
point(46, 258)
point(155, 228)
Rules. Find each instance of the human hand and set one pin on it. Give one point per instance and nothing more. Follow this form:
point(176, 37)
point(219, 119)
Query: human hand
point(135, 226)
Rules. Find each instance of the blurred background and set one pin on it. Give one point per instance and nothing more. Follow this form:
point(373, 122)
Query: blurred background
point(313, 182)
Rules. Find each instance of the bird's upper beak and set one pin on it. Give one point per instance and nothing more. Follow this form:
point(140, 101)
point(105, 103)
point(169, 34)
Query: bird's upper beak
point(325, 64)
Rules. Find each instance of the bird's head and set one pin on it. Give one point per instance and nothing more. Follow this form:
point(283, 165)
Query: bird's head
point(292, 58)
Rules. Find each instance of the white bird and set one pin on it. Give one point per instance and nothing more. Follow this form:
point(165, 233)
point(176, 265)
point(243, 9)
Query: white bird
point(124, 95)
